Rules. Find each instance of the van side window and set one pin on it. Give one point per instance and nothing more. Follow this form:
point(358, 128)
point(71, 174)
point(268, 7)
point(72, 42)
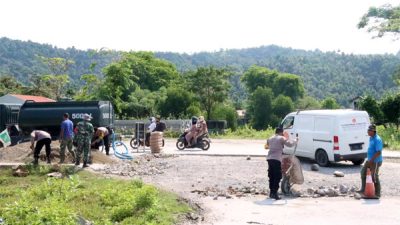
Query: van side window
point(288, 123)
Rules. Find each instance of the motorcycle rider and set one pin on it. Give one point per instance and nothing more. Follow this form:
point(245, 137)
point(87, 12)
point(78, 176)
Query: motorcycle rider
point(201, 128)
point(150, 128)
point(192, 131)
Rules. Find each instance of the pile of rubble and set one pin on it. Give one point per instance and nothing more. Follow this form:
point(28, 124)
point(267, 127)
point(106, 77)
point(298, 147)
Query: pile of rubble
point(296, 191)
point(142, 165)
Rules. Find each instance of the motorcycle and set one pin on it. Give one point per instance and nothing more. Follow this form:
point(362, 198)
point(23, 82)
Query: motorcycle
point(203, 142)
point(137, 143)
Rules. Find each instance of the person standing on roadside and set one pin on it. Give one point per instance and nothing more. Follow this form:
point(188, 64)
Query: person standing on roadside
point(66, 136)
point(276, 144)
point(374, 161)
point(83, 137)
point(42, 138)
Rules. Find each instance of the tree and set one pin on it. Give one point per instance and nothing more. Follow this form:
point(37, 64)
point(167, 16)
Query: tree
point(150, 72)
point(288, 85)
point(9, 84)
point(57, 65)
point(117, 85)
point(136, 70)
point(308, 102)
point(330, 103)
point(56, 81)
point(142, 103)
point(176, 103)
point(56, 84)
point(39, 87)
point(282, 105)
point(257, 76)
point(210, 85)
point(90, 89)
point(260, 108)
point(370, 105)
point(390, 106)
point(386, 19)
point(226, 112)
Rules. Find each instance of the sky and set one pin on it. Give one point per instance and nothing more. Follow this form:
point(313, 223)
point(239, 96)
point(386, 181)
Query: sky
point(190, 26)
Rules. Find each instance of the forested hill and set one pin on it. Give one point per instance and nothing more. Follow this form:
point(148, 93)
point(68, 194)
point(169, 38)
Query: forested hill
point(343, 76)
point(340, 75)
point(21, 59)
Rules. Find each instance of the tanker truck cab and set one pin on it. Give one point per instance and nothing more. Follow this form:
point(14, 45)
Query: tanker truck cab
point(329, 135)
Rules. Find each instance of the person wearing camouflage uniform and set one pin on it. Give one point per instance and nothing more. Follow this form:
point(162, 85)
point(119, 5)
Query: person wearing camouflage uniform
point(83, 138)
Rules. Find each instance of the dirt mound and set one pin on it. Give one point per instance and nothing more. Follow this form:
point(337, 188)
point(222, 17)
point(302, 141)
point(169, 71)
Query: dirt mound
point(22, 153)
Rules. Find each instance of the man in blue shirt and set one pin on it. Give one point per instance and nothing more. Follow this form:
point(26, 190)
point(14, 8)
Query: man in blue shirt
point(374, 161)
point(66, 136)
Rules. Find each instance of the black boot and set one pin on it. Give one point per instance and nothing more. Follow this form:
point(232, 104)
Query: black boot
point(276, 196)
point(35, 161)
point(77, 162)
point(84, 164)
point(48, 160)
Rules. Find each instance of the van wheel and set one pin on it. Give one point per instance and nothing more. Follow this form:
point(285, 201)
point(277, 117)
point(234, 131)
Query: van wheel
point(357, 162)
point(322, 158)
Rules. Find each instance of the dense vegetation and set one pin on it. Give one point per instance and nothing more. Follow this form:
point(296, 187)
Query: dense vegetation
point(37, 199)
point(323, 74)
point(268, 81)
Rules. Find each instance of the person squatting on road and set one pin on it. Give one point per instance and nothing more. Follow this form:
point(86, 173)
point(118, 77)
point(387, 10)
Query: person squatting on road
point(374, 161)
point(83, 138)
point(66, 136)
point(42, 138)
point(102, 134)
point(274, 158)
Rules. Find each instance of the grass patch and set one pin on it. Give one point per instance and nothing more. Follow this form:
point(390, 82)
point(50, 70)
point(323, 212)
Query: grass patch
point(390, 137)
point(36, 199)
point(245, 132)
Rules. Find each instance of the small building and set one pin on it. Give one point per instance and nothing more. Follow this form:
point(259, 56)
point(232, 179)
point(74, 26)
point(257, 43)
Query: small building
point(355, 102)
point(20, 99)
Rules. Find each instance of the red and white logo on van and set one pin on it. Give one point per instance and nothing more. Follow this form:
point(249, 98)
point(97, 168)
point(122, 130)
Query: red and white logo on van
point(354, 120)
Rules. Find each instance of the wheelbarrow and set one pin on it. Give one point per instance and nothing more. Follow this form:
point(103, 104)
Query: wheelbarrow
point(292, 172)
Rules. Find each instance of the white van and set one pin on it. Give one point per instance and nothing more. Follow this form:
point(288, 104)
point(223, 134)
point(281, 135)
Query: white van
point(329, 135)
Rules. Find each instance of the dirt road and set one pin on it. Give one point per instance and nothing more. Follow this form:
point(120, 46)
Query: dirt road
point(233, 189)
point(300, 211)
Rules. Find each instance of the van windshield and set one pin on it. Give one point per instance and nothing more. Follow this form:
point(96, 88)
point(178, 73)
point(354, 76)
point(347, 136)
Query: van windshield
point(288, 123)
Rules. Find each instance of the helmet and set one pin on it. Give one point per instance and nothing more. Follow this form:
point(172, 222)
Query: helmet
point(194, 119)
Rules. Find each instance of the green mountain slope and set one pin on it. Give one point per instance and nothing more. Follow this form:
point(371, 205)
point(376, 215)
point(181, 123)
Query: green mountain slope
point(342, 76)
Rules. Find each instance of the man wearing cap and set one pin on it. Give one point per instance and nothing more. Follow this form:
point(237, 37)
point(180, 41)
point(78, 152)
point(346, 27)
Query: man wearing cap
point(374, 161)
point(83, 137)
point(274, 158)
point(66, 135)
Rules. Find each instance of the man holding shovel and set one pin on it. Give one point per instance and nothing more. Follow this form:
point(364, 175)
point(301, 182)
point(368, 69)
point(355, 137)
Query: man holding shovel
point(374, 161)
